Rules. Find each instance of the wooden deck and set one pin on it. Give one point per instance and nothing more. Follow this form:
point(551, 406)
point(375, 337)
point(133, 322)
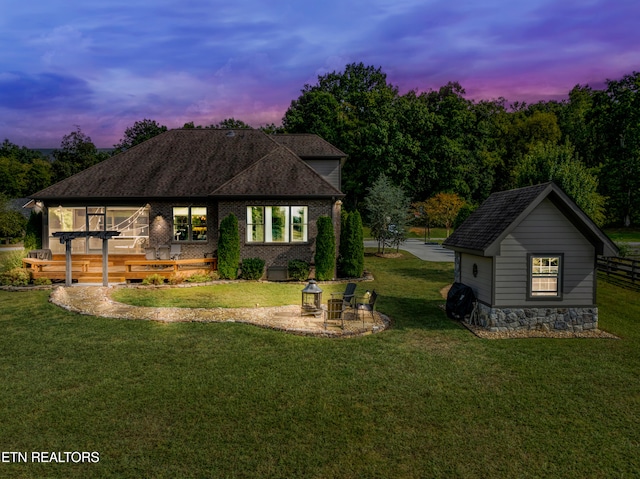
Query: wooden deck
point(87, 268)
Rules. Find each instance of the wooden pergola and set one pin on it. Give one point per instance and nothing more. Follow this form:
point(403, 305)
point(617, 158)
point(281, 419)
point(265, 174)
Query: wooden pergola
point(66, 237)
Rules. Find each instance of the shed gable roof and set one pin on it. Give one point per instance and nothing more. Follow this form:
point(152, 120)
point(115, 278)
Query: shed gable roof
point(186, 163)
point(486, 227)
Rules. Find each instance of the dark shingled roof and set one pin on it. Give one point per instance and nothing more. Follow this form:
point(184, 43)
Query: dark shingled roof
point(309, 146)
point(189, 163)
point(485, 228)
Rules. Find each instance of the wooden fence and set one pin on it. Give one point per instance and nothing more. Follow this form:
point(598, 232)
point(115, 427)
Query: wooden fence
point(623, 271)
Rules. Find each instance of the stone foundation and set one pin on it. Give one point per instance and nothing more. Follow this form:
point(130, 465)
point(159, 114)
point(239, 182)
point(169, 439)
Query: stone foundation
point(545, 319)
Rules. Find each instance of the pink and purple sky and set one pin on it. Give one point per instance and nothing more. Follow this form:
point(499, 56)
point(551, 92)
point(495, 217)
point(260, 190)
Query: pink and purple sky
point(104, 65)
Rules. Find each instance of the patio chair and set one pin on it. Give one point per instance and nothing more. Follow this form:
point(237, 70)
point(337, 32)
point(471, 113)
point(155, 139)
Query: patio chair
point(367, 304)
point(150, 253)
point(348, 296)
point(176, 251)
point(164, 252)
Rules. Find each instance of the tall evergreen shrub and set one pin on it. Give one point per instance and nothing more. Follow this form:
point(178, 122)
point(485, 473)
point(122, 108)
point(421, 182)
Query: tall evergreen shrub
point(229, 248)
point(325, 257)
point(351, 258)
point(33, 234)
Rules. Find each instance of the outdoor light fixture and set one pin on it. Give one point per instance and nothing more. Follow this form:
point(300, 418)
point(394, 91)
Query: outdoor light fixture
point(311, 299)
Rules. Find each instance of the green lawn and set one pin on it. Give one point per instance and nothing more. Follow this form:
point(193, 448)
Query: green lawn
point(627, 235)
point(424, 399)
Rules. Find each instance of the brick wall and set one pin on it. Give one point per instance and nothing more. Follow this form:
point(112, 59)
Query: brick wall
point(161, 229)
point(278, 254)
point(275, 254)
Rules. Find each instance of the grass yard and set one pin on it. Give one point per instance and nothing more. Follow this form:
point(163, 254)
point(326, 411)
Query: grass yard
point(424, 399)
point(624, 234)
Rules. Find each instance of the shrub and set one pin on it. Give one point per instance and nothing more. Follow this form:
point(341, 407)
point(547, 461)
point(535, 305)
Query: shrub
point(12, 260)
point(351, 258)
point(42, 281)
point(153, 279)
point(298, 269)
point(252, 268)
point(33, 234)
point(463, 214)
point(229, 248)
point(177, 278)
point(15, 277)
point(624, 249)
point(325, 257)
point(202, 277)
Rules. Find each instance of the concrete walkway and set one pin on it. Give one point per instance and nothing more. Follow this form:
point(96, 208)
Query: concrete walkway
point(417, 247)
point(97, 301)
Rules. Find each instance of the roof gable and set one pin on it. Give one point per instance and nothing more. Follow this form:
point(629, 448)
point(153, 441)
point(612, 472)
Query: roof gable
point(278, 174)
point(177, 163)
point(308, 145)
point(502, 212)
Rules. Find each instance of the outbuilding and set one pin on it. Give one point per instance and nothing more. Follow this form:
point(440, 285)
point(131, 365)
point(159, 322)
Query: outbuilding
point(529, 255)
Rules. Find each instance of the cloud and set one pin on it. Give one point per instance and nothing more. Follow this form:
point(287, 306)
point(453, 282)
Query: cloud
point(105, 65)
point(23, 92)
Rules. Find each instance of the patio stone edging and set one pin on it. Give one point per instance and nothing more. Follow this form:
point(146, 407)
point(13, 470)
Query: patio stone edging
point(96, 301)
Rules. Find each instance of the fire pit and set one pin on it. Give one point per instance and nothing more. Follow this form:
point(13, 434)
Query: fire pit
point(311, 299)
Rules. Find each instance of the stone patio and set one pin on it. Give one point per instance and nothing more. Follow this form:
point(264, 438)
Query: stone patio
point(96, 301)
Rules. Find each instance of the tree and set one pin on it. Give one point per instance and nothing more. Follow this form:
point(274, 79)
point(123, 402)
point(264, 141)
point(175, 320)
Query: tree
point(13, 177)
point(559, 163)
point(271, 129)
point(351, 257)
point(229, 248)
point(139, 132)
point(77, 152)
point(33, 232)
point(12, 223)
point(22, 154)
point(39, 175)
point(232, 124)
point(325, 256)
point(529, 127)
point(353, 110)
point(443, 209)
point(22, 171)
point(614, 123)
point(387, 207)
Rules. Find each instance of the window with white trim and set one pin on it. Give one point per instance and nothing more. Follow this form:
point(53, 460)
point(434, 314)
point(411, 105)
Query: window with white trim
point(277, 224)
point(545, 276)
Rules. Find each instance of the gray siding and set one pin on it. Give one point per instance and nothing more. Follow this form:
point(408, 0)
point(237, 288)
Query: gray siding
point(328, 169)
point(481, 284)
point(545, 231)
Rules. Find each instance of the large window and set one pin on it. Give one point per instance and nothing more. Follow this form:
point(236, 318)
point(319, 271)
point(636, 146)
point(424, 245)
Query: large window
point(545, 276)
point(277, 224)
point(190, 223)
point(132, 222)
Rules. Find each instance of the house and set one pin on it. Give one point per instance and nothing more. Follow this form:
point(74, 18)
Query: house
point(174, 190)
point(529, 255)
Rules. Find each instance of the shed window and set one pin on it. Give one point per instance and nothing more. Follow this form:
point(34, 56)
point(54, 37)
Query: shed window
point(545, 276)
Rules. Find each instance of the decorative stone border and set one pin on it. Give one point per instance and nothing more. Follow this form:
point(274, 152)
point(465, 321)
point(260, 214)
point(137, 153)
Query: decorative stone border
point(96, 301)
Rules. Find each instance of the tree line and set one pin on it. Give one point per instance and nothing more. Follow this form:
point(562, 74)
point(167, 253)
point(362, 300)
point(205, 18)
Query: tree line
point(430, 142)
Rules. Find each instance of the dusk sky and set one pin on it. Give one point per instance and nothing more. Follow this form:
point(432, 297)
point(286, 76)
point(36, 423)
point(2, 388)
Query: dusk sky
point(103, 66)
